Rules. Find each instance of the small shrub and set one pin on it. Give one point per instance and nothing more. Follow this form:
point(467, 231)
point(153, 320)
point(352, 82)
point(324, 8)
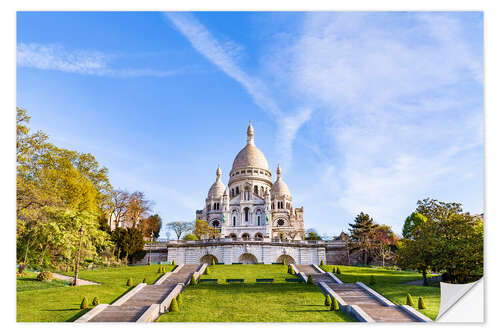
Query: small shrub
point(338, 270)
point(45, 276)
point(289, 269)
point(409, 300)
point(84, 304)
point(130, 282)
point(328, 300)
point(160, 269)
point(207, 271)
point(284, 261)
point(179, 300)
point(174, 306)
point(335, 305)
point(292, 271)
point(213, 261)
point(421, 304)
point(310, 279)
point(194, 282)
point(173, 262)
point(372, 280)
point(334, 269)
point(144, 280)
point(322, 263)
point(95, 301)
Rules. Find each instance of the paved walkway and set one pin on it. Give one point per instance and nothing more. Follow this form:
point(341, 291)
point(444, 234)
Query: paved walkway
point(80, 282)
point(353, 294)
point(134, 307)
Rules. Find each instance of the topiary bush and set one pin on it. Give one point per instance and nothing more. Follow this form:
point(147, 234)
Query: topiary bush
point(335, 305)
point(310, 279)
point(292, 271)
point(173, 262)
point(160, 269)
point(284, 261)
point(289, 269)
point(338, 270)
point(130, 282)
point(179, 300)
point(45, 276)
point(409, 300)
point(372, 280)
point(95, 301)
point(213, 261)
point(421, 304)
point(207, 271)
point(84, 304)
point(328, 300)
point(322, 263)
point(144, 280)
point(194, 282)
point(174, 306)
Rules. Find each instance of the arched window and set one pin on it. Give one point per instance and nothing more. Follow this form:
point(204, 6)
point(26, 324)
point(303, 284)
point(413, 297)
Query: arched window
point(246, 214)
point(247, 195)
point(262, 190)
point(258, 220)
point(237, 190)
point(232, 192)
point(215, 206)
point(256, 190)
point(234, 221)
point(272, 205)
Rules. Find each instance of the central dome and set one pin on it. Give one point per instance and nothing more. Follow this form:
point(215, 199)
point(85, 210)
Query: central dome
point(250, 155)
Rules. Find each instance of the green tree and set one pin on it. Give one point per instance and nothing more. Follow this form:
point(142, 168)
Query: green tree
point(190, 237)
point(129, 243)
point(362, 235)
point(312, 234)
point(202, 230)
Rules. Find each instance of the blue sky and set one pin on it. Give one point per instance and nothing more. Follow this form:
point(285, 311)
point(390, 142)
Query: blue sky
point(364, 111)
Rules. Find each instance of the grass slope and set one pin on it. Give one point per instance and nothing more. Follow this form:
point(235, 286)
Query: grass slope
point(253, 302)
point(392, 285)
point(53, 301)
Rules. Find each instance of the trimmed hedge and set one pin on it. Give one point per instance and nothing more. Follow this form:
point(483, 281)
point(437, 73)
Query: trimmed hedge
point(130, 282)
point(85, 303)
point(322, 263)
point(409, 300)
point(179, 300)
point(45, 276)
point(421, 304)
point(95, 301)
point(194, 282)
point(335, 305)
point(338, 270)
point(207, 271)
point(174, 306)
point(310, 279)
point(328, 300)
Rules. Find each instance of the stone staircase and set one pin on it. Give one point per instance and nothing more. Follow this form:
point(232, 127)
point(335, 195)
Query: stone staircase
point(132, 309)
point(353, 294)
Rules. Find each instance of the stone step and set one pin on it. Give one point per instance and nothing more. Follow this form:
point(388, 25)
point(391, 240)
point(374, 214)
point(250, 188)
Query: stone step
point(120, 314)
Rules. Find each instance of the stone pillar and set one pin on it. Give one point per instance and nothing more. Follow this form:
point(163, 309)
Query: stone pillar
point(321, 255)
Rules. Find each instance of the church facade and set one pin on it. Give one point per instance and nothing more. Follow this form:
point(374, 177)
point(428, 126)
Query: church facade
point(252, 206)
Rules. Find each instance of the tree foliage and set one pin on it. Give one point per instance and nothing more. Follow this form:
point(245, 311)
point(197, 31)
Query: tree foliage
point(441, 237)
point(202, 230)
point(151, 224)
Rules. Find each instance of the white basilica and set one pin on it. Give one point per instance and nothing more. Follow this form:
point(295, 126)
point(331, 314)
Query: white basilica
point(252, 206)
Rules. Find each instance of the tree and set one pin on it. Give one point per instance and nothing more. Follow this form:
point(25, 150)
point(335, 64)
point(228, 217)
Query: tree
point(442, 237)
point(312, 235)
point(118, 207)
point(180, 227)
point(151, 224)
point(190, 237)
point(362, 234)
point(203, 230)
point(129, 242)
point(385, 242)
point(137, 208)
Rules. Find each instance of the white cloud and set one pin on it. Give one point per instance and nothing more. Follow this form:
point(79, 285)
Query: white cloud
point(56, 57)
point(223, 56)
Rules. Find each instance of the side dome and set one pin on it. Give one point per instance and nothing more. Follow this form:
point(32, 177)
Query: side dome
point(250, 155)
point(218, 188)
point(279, 187)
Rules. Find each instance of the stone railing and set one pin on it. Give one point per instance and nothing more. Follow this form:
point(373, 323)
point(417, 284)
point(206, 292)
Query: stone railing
point(163, 245)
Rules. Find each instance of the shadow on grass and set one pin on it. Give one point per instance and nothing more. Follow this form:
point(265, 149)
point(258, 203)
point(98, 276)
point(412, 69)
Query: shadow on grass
point(78, 315)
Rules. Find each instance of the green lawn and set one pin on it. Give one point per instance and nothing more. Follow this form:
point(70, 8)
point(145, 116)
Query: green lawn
point(49, 302)
point(392, 285)
point(252, 302)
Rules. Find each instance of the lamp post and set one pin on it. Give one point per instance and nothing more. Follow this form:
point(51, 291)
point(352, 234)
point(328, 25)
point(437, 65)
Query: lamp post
point(75, 280)
point(150, 246)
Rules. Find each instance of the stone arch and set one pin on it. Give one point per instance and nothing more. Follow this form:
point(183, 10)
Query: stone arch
point(258, 236)
point(207, 259)
point(288, 259)
point(233, 236)
point(245, 236)
point(248, 258)
point(215, 223)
